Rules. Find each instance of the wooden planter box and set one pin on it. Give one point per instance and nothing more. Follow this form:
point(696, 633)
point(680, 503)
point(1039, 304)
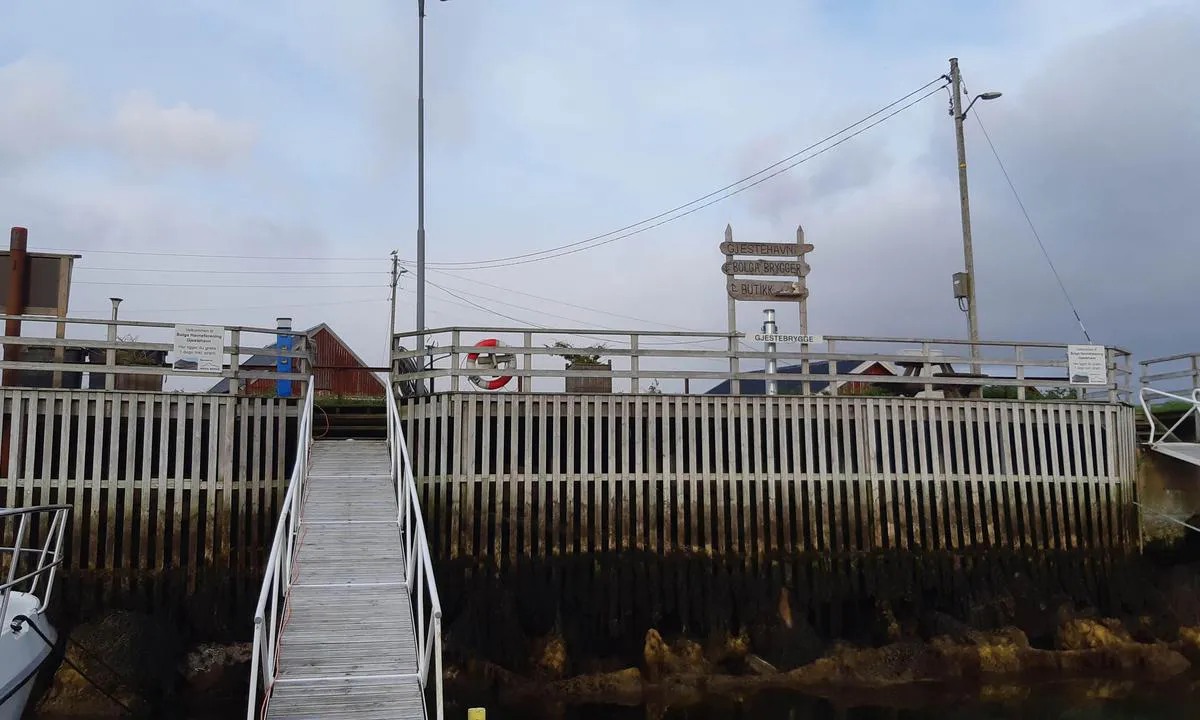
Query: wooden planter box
point(128, 382)
point(589, 385)
point(45, 378)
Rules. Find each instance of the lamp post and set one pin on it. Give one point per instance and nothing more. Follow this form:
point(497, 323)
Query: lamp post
point(968, 255)
point(421, 177)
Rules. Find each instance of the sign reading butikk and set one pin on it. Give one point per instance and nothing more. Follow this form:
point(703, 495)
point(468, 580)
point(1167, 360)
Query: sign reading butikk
point(766, 290)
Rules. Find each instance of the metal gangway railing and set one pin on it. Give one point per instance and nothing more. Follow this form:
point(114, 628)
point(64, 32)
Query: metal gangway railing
point(1164, 439)
point(22, 525)
point(419, 582)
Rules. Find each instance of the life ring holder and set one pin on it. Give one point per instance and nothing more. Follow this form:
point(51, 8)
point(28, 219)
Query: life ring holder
point(490, 361)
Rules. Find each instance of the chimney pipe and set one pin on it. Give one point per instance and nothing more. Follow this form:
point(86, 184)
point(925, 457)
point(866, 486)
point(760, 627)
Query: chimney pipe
point(283, 341)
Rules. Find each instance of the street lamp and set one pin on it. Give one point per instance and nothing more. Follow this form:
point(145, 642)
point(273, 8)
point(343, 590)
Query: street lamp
point(992, 95)
point(964, 283)
point(420, 179)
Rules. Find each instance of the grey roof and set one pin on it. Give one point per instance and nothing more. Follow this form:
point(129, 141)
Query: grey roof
point(268, 361)
point(792, 387)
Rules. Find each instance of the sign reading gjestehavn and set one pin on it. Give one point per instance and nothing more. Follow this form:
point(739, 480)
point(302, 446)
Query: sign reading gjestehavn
point(765, 249)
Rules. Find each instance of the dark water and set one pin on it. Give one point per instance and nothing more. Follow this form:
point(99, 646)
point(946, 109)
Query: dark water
point(1065, 701)
point(1076, 701)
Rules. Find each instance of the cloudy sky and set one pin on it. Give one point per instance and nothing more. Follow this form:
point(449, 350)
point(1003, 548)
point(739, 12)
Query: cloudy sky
point(204, 137)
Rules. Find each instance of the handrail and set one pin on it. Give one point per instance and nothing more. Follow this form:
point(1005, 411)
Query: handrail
point(100, 357)
point(1173, 373)
point(419, 576)
point(49, 554)
point(277, 579)
point(682, 361)
point(1193, 399)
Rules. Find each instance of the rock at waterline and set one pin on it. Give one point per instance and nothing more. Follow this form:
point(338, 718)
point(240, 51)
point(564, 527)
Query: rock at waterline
point(549, 658)
point(130, 655)
point(1083, 634)
point(210, 665)
point(661, 660)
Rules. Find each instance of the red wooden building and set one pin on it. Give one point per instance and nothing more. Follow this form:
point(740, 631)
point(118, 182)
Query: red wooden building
point(339, 371)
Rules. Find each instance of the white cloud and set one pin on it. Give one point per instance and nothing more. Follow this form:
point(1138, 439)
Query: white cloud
point(35, 113)
point(158, 136)
point(44, 113)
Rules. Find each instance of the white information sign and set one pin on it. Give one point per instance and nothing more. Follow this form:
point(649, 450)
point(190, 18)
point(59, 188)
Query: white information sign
point(776, 338)
point(1087, 364)
point(199, 347)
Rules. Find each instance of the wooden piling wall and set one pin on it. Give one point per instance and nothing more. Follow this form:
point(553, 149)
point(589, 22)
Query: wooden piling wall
point(174, 496)
point(508, 476)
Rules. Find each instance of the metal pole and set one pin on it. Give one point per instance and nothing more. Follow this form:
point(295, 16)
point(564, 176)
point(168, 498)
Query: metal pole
point(770, 329)
point(964, 200)
point(391, 335)
point(421, 179)
point(735, 385)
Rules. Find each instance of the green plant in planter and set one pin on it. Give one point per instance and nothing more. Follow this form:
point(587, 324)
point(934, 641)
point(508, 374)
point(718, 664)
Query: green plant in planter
point(579, 356)
point(138, 357)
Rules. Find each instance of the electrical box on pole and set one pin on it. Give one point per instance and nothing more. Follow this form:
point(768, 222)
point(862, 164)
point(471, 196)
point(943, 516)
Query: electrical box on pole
point(962, 286)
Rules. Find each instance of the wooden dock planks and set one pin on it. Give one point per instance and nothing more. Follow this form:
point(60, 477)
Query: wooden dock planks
point(348, 646)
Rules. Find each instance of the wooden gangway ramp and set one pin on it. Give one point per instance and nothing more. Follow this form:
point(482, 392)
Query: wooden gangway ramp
point(348, 647)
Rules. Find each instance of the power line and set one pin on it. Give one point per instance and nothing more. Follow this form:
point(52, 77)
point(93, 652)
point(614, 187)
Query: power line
point(219, 286)
point(519, 307)
point(564, 302)
point(581, 307)
point(486, 309)
point(245, 307)
point(598, 326)
point(1037, 236)
point(702, 202)
point(229, 272)
point(212, 256)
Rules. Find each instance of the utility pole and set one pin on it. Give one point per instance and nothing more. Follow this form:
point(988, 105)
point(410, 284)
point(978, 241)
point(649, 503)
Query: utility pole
point(420, 184)
point(964, 200)
point(392, 323)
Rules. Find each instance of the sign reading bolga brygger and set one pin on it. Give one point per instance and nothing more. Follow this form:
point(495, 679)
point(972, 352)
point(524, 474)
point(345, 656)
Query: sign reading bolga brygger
point(199, 347)
point(795, 268)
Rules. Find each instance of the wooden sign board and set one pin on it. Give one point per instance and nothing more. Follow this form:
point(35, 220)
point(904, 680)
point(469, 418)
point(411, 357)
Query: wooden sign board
point(765, 249)
point(47, 284)
point(766, 267)
point(740, 289)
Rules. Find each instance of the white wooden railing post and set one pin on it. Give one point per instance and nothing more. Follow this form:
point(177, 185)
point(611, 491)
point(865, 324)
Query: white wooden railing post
point(455, 341)
point(235, 343)
point(634, 365)
point(525, 382)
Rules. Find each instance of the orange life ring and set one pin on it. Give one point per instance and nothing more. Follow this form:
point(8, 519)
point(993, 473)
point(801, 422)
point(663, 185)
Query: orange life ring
point(496, 361)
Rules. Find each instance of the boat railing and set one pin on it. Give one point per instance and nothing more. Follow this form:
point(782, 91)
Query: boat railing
point(419, 576)
point(35, 553)
point(269, 613)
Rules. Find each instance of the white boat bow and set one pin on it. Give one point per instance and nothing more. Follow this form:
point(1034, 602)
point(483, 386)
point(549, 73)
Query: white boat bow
point(29, 558)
